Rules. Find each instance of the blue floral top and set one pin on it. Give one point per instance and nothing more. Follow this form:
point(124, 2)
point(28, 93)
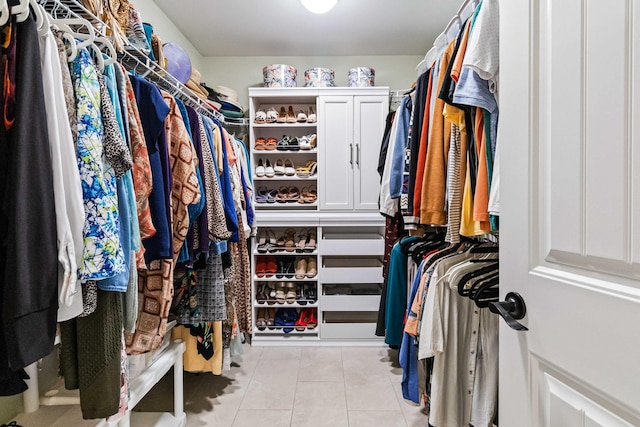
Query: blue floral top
point(103, 256)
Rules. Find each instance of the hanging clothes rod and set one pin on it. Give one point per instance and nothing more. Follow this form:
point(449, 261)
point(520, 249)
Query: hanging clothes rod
point(132, 58)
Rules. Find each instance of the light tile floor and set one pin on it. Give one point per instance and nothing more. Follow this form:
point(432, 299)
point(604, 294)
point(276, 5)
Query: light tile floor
point(280, 387)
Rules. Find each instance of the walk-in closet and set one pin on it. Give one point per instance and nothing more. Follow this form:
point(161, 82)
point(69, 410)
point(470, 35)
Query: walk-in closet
point(310, 213)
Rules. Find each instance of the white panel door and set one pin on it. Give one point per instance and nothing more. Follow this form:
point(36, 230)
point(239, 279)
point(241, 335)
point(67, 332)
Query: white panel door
point(570, 214)
point(336, 155)
point(369, 121)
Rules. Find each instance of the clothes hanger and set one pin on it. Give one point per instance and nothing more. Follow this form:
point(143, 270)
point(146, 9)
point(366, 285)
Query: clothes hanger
point(453, 28)
point(21, 10)
point(104, 43)
point(481, 281)
point(5, 13)
point(487, 293)
point(66, 24)
point(462, 290)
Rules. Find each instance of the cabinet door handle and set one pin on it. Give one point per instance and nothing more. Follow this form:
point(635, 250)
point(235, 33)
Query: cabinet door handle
point(358, 155)
point(351, 154)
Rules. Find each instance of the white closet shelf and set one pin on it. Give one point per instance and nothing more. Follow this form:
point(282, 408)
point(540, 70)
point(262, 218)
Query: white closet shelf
point(291, 205)
point(284, 279)
point(285, 178)
point(286, 305)
point(278, 331)
point(285, 253)
point(286, 125)
point(282, 152)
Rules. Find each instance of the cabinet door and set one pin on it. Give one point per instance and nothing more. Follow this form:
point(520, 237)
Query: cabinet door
point(336, 156)
point(369, 121)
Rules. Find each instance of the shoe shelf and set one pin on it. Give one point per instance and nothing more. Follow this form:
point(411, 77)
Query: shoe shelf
point(284, 279)
point(278, 330)
point(285, 125)
point(287, 205)
point(308, 304)
point(283, 152)
point(285, 253)
point(284, 178)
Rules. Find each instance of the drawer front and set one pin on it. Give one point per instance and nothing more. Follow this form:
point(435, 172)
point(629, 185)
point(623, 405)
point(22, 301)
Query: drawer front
point(352, 275)
point(372, 247)
point(350, 302)
point(349, 331)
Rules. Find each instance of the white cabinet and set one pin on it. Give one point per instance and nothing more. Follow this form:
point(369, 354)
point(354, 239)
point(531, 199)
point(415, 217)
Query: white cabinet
point(350, 130)
point(343, 295)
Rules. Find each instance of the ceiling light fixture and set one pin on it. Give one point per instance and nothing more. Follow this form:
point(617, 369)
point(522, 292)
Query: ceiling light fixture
point(319, 6)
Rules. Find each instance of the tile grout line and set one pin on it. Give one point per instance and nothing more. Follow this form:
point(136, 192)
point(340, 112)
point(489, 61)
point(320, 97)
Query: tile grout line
point(244, 395)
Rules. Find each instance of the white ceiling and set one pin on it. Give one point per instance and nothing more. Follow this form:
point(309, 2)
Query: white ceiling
point(286, 28)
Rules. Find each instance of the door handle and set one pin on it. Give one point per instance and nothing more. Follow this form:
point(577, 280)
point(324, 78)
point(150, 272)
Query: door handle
point(358, 155)
point(351, 154)
point(511, 310)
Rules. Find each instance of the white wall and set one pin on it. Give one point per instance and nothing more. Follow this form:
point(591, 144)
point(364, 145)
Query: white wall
point(242, 72)
point(166, 30)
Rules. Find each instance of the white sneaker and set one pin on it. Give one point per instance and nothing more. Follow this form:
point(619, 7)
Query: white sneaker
point(260, 171)
point(268, 170)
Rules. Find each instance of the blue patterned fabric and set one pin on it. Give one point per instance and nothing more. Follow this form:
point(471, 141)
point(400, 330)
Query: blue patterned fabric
point(102, 255)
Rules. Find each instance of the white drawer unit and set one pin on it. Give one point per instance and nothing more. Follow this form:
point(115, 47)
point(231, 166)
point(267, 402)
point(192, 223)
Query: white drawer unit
point(346, 241)
point(351, 270)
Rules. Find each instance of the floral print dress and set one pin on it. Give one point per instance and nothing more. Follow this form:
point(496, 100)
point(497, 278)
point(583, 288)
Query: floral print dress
point(103, 256)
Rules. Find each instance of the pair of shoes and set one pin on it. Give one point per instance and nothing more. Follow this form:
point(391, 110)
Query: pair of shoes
point(285, 268)
point(307, 170)
point(306, 319)
point(284, 167)
point(288, 143)
point(306, 241)
point(306, 267)
point(308, 195)
point(287, 194)
point(269, 116)
point(287, 116)
point(265, 169)
point(265, 195)
point(286, 292)
point(286, 318)
point(265, 318)
point(266, 266)
point(266, 241)
point(308, 142)
point(307, 294)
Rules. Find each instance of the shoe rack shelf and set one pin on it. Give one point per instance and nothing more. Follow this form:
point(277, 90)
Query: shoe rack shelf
point(285, 125)
point(348, 228)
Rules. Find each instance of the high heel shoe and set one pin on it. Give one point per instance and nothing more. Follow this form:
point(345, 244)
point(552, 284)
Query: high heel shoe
point(280, 295)
point(310, 245)
point(282, 267)
point(311, 116)
point(282, 117)
point(290, 296)
point(302, 241)
point(261, 322)
point(291, 117)
point(262, 242)
point(311, 318)
point(261, 295)
point(312, 267)
point(270, 318)
point(301, 323)
point(301, 268)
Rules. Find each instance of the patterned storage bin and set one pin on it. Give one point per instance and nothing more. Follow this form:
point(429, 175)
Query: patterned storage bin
point(279, 75)
point(319, 77)
point(361, 77)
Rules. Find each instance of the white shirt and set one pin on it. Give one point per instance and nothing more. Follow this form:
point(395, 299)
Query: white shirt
point(453, 330)
point(66, 182)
